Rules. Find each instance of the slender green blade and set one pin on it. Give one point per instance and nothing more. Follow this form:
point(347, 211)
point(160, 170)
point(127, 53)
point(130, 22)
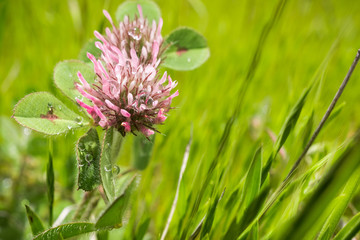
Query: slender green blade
point(253, 179)
point(341, 204)
point(350, 229)
point(50, 182)
point(327, 191)
point(34, 221)
point(286, 129)
point(113, 214)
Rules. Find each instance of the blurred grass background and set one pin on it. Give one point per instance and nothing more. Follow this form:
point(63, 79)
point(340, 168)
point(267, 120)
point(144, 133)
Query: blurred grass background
point(35, 35)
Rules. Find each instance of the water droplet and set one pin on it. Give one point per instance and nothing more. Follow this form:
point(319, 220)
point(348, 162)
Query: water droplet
point(116, 169)
point(79, 120)
point(69, 127)
point(80, 98)
point(135, 33)
point(108, 168)
point(189, 60)
point(81, 147)
point(27, 131)
point(59, 107)
point(108, 145)
point(88, 158)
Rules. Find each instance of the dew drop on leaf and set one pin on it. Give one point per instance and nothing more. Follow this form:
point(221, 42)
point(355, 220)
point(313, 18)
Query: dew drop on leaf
point(88, 158)
point(116, 169)
point(108, 168)
point(79, 120)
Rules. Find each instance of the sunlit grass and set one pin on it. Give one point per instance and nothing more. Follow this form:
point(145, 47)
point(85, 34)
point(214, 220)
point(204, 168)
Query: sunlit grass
point(311, 41)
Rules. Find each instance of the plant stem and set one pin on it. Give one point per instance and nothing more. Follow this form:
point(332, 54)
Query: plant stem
point(82, 206)
point(326, 116)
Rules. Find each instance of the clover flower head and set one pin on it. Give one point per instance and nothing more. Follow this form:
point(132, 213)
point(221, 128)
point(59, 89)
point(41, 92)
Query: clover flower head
point(129, 93)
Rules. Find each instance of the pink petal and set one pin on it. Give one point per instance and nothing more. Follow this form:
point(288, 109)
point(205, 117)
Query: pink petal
point(160, 116)
point(147, 132)
point(155, 51)
point(88, 108)
point(144, 52)
point(89, 96)
point(127, 126)
point(134, 58)
point(107, 15)
point(99, 113)
point(125, 113)
point(100, 37)
point(103, 123)
point(140, 11)
point(163, 79)
point(158, 33)
point(174, 94)
point(130, 99)
point(112, 106)
point(83, 81)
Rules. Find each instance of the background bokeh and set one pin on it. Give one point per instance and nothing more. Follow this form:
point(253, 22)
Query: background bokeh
point(312, 40)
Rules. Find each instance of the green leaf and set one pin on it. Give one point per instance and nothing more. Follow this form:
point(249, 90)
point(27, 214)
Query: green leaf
point(341, 204)
point(90, 47)
point(285, 131)
point(237, 227)
point(46, 114)
point(142, 229)
point(350, 229)
point(211, 215)
point(88, 152)
point(142, 151)
point(253, 179)
point(66, 231)
point(187, 49)
point(112, 216)
point(50, 182)
point(106, 165)
point(34, 221)
point(102, 235)
point(150, 10)
point(291, 120)
point(65, 76)
point(327, 190)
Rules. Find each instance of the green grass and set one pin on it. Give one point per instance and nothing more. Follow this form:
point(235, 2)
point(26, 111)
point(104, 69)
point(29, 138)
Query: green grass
point(311, 42)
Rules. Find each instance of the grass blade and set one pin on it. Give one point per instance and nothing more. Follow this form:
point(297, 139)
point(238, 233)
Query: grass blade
point(50, 182)
point(350, 230)
point(173, 206)
point(34, 221)
point(113, 214)
point(328, 189)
